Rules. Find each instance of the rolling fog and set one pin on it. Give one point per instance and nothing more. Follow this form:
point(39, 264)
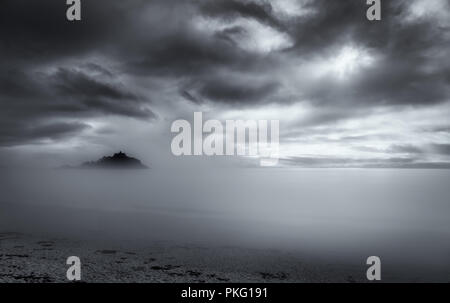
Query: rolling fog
point(337, 214)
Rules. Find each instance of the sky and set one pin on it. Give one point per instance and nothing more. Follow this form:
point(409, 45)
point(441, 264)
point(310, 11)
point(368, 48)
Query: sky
point(348, 92)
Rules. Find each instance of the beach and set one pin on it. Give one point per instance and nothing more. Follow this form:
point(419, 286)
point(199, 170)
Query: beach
point(25, 258)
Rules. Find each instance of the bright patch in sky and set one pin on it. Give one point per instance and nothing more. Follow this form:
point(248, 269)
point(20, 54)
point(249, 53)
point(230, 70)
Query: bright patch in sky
point(349, 60)
point(248, 34)
point(291, 8)
point(438, 10)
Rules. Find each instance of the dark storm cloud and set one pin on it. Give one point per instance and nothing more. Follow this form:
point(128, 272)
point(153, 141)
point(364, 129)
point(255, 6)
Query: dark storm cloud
point(29, 100)
point(188, 96)
point(57, 73)
point(76, 84)
point(36, 90)
point(99, 96)
point(406, 72)
point(34, 32)
point(66, 91)
point(37, 87)
point(31, 132)
point(395, 82)
point(335, 22)
point(181, 51)
point(237, 92)
point(116, 29)
point(229, 9)
point(184, 55)
point(232, 90)
point(18, 84)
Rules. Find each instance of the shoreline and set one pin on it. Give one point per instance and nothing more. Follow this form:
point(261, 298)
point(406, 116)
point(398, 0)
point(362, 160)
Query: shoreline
point(36, 259)
point(26, 258)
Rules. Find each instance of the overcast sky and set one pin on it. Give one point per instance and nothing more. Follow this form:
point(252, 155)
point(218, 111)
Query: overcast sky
point(348, 92)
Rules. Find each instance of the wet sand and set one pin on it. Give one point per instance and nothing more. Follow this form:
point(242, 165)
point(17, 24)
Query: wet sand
point(26, 258)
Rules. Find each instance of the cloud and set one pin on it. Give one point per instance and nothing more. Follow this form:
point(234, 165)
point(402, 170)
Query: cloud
point(405, 149)
point(406, 70)
point(443, 149)
point(229, 9)
point(411, 163)
point(440, 149)
point(75, 83)
point(349, 84)
point(39, 133)
point(234, 89)
point(33, 101)
point(38, 32)
point(347, 162)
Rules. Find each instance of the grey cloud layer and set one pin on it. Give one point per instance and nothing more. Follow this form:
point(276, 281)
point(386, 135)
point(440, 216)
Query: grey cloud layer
point(56, 73)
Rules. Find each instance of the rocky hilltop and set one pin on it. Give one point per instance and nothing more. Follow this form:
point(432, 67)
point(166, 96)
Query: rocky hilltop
point(118, 160)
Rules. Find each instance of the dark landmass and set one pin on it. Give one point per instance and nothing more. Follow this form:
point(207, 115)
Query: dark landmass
point(118, 160)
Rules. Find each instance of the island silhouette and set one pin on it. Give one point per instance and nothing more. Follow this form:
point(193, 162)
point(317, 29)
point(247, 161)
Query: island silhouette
point(117, 160)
